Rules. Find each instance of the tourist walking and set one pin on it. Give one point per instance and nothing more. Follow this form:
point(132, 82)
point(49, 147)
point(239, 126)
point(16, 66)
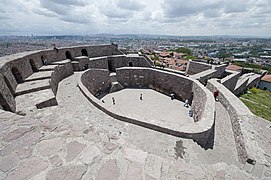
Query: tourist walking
point(216, 93)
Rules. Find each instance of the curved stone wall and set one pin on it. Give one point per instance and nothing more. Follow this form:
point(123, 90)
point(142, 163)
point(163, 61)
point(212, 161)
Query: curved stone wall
point(96, 80)
point(118, 61)
point(59, 73)
point(165, 82)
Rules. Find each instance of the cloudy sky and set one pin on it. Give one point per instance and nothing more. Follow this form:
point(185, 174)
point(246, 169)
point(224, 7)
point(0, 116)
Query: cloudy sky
point(168, 17)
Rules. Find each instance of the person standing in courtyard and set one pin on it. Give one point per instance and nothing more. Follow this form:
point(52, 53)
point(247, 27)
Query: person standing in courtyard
point(172, 95)
point(113, 100)
point(141, 97)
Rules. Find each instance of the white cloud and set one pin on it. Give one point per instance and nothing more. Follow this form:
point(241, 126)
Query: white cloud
point(175, 17)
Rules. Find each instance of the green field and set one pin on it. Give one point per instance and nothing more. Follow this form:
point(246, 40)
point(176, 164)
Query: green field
point(259, 102)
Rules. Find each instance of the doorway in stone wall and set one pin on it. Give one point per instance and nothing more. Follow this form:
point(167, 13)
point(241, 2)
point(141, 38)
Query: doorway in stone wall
point(33, 66)
point(84, 52)
point(68, 55)
point(17, 75)
point(130, 64)
point(4, 103)
point(111, 67)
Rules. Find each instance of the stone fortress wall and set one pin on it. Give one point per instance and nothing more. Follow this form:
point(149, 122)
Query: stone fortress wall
point(15, 69)
point(118, 61)
point(164, 82)
point(230, 81)
point(194, 67)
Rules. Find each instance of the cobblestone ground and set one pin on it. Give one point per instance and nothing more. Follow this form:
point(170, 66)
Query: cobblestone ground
point(75, 140)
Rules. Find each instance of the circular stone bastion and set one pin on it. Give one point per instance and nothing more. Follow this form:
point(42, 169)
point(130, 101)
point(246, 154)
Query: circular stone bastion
point(142, 96)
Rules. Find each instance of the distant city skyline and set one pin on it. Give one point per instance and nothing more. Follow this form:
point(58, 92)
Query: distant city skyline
point(158, 17)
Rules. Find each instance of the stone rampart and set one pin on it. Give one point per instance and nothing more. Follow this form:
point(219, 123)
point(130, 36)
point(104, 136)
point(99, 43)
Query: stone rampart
point(240, 117)
point(194, 67)
point(118, 61)
point(59, 73)
point(214, 72)
point(241, 86)
point(231, 80)
point(254, 81)
point(220, 70)
point(204, 76)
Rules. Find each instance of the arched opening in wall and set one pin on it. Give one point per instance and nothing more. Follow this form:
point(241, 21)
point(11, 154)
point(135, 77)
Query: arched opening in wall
point(9, 85)
point(17, 75)
point(68, 55)
point(84, 52)
point(42, 59)
point(130, 64)
point(4, 103)
point(111, 67)
point(33, 66)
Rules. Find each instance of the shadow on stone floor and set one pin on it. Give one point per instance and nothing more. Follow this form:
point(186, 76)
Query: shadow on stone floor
point(211, 139)
point(179, 149)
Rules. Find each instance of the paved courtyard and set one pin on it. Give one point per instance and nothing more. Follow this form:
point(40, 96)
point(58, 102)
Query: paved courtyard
point(154, 107)
point(75, 140)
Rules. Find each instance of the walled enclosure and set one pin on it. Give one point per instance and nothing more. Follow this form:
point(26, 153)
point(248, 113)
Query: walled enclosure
point(27, 63)
point(202, 105)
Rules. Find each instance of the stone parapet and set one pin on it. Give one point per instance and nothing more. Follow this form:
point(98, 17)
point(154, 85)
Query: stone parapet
point(194, 67)
point(60, 72)
point(241, 119)
point(231, 80)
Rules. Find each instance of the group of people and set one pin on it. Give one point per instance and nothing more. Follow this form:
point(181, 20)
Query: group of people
point(114, 101)
point(187, 103)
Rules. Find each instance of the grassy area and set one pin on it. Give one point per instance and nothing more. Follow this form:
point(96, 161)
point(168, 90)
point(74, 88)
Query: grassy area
point(259, 102)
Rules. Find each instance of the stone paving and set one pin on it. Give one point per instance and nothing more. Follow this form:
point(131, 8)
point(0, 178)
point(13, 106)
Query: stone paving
point(154, 107)
point(75, 140)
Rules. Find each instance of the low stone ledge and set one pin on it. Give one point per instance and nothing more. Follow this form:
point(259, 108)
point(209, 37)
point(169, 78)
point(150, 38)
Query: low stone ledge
point(60, 72)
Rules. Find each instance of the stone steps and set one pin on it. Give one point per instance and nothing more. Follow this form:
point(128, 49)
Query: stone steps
point(39, 99)
point(47, 68)
point(65, 61)
point(113, 77)
point(32, 86)
point(39, 76)
point(115, 85)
